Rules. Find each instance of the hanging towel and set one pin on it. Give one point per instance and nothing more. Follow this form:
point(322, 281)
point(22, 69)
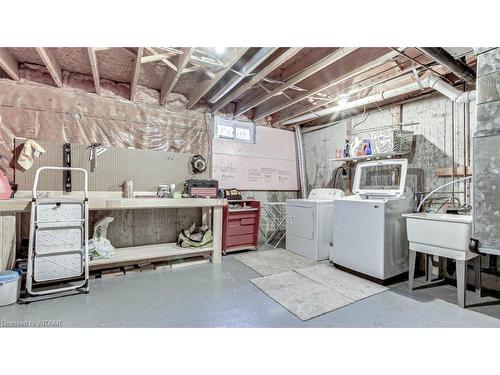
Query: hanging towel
point(30, 151)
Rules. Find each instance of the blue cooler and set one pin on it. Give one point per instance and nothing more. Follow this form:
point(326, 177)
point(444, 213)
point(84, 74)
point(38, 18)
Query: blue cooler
point(10, 287)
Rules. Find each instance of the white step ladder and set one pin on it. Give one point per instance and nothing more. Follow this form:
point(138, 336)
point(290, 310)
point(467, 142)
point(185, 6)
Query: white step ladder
point(58, 259)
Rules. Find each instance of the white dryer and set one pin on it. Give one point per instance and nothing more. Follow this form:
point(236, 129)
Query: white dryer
point(309, 227)
point(369, 233)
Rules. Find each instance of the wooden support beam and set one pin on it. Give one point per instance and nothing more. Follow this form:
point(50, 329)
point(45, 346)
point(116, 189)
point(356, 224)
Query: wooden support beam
point(156, 56)
point(457, 172)
point(51, 64)
point(173, 76)
point(375, 56)
point(205, 85)
point(135, 73)
point(397, 117)
point(306, 107)
point(9, 63)
point(312, 69)
point(95, 69)
point(289, 53)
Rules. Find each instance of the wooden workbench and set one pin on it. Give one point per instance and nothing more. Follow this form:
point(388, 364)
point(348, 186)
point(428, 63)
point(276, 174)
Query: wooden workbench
point(9, 210)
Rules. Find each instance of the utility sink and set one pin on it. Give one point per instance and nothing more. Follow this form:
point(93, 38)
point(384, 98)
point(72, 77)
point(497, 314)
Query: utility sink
point(440, 230)
point(443, 235)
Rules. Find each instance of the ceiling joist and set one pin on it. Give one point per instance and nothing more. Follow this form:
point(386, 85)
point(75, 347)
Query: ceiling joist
point(51, 64)
point(312, 69)
point(9, 63)
point(173, 76)
point(205, 85)
point(135, 73)
point(306, 107)
point(95, 69)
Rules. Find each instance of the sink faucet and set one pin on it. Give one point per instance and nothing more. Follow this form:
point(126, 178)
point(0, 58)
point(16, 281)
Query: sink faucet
point(439, 188)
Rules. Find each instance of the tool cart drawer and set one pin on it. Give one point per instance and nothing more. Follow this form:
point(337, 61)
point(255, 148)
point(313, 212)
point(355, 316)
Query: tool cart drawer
point(241, 225)
point(246, 239)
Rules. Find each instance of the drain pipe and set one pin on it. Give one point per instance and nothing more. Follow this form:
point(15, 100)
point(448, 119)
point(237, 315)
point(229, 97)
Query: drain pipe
point(457, 67)
point(302, 161)
point(432, 81)
point(354, 104)
point(448, 90)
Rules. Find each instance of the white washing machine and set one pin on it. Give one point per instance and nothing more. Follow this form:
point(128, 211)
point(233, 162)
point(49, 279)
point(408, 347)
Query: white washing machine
point(369, 233)
point(309, 223)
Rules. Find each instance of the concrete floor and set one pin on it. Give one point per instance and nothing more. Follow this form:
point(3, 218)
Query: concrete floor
point(221, 296)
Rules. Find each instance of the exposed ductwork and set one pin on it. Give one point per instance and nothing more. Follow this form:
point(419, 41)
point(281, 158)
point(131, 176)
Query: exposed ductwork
point(242, 72)
point(302, 161)
point(457, 67)
point(431, 81)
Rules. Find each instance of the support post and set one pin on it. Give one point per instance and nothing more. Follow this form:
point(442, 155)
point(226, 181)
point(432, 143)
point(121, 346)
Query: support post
point(7, 241)
point(461, 281)
point(217, 233)
point(411, 269)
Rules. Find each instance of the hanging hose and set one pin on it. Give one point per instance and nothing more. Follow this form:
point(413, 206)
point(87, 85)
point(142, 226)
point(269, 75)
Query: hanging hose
point(439, 188)
point(335, 174)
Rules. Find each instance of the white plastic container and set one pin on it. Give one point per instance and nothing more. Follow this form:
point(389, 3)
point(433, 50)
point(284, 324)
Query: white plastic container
point(10, 287)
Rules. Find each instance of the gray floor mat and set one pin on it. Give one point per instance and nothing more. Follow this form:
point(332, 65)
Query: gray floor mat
point(301, 296)
point(313, 291)
point(342, 282)
point(271, 262)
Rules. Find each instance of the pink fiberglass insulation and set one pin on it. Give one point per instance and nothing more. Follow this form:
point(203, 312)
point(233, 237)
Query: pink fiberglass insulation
point(115, 64)
point(36, 73)
point(66, 115)
point(73, 59)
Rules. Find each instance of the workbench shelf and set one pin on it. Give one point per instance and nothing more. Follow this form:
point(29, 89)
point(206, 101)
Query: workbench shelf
point(133, 255)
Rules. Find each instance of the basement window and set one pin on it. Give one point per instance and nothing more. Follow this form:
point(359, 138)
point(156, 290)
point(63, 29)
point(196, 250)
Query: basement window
point(232, 130)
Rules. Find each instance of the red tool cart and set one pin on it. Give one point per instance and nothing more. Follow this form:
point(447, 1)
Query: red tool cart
point(240, 225)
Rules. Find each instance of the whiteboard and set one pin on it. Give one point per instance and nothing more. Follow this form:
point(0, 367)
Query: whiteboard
point(269, 164)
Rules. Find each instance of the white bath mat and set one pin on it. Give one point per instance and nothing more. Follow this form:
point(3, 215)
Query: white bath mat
point(271, 262)
point(313, 291)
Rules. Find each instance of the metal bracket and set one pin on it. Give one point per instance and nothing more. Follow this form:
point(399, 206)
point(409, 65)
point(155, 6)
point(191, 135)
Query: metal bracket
point(67, 163)
point(417, 78)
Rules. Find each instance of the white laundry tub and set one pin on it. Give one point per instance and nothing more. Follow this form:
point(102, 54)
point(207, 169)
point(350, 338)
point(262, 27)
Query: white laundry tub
point(445, 231)
point(446, 236)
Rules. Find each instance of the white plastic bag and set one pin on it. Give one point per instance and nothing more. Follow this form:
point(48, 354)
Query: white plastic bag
point(99, 246)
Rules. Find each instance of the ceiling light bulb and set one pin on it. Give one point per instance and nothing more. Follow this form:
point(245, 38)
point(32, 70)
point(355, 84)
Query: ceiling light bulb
point(343, 100)
point(220, 50)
